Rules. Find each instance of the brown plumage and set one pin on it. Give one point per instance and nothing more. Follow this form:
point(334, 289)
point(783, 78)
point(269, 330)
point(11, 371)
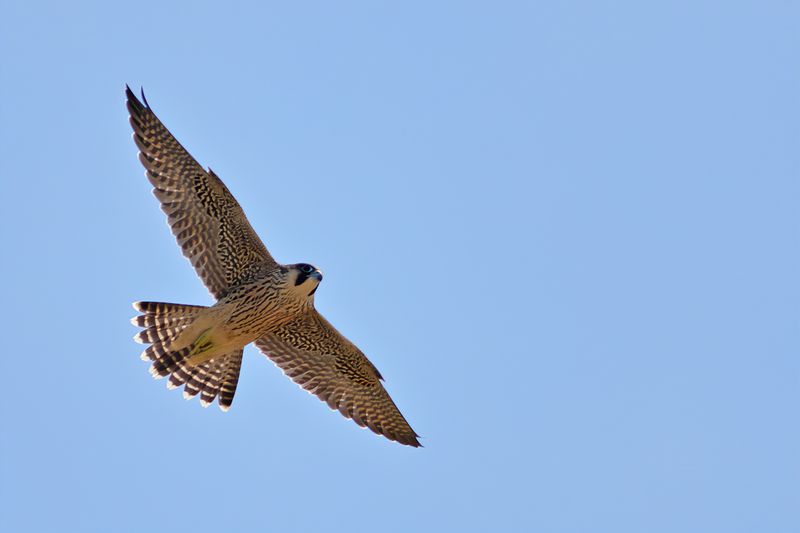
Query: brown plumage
point(258, 300)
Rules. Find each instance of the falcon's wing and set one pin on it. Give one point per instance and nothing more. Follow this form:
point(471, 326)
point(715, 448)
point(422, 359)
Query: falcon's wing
point(318, 358)
point(205, 218)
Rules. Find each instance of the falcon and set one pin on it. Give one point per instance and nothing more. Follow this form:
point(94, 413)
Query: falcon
point(258, 300)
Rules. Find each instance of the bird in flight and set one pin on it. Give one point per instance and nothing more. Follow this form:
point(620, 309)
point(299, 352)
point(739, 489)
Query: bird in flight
point(258, 300)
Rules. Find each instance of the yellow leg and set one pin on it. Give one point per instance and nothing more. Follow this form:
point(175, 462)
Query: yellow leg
point(201, 345)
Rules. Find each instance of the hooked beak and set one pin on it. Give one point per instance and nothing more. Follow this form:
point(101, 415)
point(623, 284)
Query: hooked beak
point(317, 275)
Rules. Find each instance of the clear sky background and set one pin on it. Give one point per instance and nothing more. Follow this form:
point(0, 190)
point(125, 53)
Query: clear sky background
point(565, 232)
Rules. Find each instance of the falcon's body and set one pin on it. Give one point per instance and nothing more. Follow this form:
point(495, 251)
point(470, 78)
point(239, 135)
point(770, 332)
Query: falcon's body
point(247, 312)
point(258, 299)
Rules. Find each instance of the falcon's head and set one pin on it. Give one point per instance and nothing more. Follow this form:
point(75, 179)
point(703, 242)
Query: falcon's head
point(304, 278)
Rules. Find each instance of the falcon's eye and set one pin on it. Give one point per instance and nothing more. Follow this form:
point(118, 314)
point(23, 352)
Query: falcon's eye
point(306, 269)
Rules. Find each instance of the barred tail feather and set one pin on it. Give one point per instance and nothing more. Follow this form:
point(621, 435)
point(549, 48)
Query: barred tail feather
point(162, 323)
point(168, 309)
point(228, 388)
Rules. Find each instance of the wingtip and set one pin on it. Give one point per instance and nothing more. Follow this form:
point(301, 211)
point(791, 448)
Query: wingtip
point(135, 106)
point(411, 441)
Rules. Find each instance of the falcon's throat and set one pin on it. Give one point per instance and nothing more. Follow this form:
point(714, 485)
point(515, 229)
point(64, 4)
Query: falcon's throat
point(306, 280)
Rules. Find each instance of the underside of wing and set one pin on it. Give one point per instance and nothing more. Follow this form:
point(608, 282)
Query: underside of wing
point(322, 361)
point(205, 218)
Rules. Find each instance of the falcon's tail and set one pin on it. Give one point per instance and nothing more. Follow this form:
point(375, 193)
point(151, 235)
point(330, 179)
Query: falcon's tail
point(162, 323)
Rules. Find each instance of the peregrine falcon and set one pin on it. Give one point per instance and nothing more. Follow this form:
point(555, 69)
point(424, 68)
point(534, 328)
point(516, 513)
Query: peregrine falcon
point(258, 300)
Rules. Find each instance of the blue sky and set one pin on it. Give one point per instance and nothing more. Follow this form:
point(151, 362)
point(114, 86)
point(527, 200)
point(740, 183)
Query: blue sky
point(565, 232)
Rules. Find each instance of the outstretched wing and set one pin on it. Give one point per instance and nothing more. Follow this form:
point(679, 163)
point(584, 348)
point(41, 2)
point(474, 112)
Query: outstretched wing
point(205, 218)
point(318, 358)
